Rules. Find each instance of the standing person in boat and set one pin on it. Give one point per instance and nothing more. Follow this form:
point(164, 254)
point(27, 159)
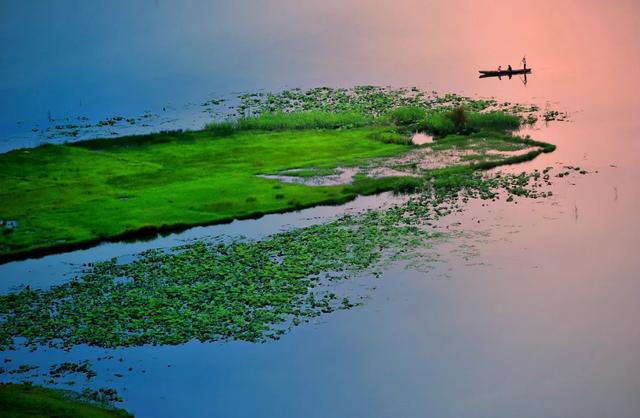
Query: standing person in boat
point(509, 68)
point(524, 62)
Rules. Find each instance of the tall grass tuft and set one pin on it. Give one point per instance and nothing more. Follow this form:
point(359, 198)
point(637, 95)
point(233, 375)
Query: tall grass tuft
point(407, 115)
point(298, 120)
point(439, 124)
point(459, 118)
point(222, 128)
point(497, 121)
point(460, 121)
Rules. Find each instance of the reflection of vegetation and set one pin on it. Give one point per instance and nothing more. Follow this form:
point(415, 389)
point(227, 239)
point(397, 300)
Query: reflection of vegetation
point(18, 401)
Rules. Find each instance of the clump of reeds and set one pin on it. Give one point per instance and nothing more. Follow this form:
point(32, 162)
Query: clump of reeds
point(297, 120)
point(461, 121)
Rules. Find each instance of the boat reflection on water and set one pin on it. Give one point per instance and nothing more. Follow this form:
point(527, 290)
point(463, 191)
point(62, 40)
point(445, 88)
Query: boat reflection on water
point(500, 74)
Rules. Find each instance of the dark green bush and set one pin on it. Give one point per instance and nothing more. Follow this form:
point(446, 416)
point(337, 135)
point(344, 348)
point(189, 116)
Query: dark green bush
point(459, 118)
point(390, 136)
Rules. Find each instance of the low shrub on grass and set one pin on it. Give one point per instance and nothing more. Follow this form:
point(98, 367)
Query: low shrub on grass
point(390, 136)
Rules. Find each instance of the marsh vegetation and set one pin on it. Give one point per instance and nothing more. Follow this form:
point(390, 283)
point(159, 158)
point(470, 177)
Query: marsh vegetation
point(243, 290)
point(24, 400)
point(79, 194)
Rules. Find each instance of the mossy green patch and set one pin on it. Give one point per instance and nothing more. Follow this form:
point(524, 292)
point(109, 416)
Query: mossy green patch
point(65, 195)
point(22, 401)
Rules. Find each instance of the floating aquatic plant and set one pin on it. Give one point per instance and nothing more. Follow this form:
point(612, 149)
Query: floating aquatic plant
point(242, 290)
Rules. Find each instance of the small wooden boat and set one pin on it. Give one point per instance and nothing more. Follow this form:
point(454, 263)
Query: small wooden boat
point(504, 72)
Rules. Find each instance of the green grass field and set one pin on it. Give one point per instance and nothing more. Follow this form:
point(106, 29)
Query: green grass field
point(64, 195)
point(26, 401)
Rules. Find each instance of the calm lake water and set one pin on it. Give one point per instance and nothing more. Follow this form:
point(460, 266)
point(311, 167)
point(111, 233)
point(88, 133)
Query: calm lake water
point(542, 319)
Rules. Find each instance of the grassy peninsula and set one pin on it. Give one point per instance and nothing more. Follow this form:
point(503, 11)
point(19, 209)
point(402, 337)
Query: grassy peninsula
point(60, 197)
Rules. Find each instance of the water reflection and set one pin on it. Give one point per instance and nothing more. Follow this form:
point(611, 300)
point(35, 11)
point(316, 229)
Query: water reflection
point(421, 139)
point(522, 77)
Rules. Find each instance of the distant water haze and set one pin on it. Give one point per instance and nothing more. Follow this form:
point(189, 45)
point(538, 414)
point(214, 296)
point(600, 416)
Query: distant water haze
point(100, 59)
